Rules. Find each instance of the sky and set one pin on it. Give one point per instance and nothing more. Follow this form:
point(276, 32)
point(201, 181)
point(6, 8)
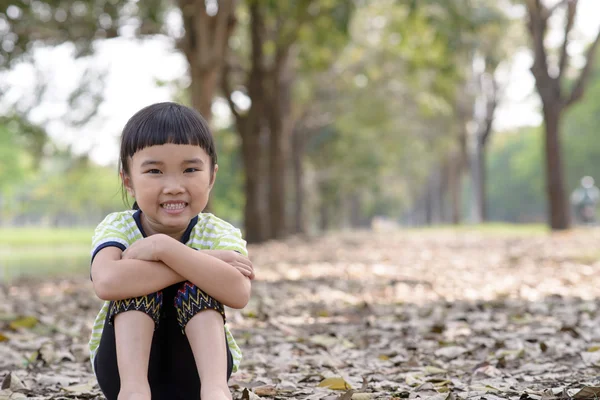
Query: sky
point(132, 68)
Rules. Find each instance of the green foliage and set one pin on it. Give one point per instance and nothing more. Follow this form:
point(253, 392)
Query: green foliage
point(32, 23)
point(227, 196)
point(14, 165)
point(580, 134)
point(516, 177)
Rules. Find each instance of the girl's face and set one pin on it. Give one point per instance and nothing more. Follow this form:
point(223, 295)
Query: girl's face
point(171, 184)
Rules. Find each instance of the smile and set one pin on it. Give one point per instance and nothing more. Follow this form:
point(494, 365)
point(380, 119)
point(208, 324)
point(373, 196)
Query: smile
point(174, 206)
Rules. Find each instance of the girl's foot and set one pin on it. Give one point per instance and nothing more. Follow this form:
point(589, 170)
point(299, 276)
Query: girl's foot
point(215, 393)
point(134, 394)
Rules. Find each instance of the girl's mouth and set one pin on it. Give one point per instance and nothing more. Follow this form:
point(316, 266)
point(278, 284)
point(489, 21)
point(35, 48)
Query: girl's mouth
point(174, 207)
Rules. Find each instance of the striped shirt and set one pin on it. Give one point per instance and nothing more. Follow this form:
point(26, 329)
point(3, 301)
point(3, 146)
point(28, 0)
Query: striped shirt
point(205, 232)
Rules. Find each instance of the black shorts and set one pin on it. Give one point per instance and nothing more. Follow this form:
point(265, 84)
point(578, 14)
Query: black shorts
point(172, 371)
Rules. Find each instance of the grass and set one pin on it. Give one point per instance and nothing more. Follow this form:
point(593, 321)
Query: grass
point(489, 228)
point(43, 262)
point(39, 237)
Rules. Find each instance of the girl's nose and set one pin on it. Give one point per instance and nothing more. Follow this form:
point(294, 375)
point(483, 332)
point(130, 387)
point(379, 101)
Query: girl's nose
point(173, 186)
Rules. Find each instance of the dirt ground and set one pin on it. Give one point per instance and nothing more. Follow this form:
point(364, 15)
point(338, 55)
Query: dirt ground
point(363, 315)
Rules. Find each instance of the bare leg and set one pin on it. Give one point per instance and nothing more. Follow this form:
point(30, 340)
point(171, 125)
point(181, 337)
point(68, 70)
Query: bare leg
point(207, 340)
point(133, 335)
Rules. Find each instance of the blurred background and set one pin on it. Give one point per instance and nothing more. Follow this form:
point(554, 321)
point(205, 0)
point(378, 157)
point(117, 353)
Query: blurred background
point(328, 114)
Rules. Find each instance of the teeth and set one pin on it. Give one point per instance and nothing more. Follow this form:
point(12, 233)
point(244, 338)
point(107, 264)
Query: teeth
point(173, 206)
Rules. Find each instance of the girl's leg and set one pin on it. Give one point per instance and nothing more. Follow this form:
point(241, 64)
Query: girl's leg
point(201, 318)
point(133, 334)
point(122, 362)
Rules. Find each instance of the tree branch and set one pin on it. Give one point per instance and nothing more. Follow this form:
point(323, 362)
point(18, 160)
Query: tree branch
point(537, 27)
point(289, 35)
point(227, 92)
point(551, 10)
point(204, 55)
point(225, 21)
point(491, 106)
point(571, 10)
point(585, 73)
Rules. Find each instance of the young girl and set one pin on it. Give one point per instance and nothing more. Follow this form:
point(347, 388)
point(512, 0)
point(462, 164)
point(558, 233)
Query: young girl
point(165, 270)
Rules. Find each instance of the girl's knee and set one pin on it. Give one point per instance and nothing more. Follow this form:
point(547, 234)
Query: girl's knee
point(150, 305)
point(191, 300)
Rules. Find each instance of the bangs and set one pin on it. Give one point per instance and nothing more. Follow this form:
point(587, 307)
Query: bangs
point(166, 123)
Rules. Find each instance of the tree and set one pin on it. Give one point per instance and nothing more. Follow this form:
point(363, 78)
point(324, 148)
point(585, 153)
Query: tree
point(556, 98)
point(268, 81)
point(205, 44)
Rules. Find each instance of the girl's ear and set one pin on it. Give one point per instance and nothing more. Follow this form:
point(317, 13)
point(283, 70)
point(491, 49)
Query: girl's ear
point(213, 177)
point(127, 183)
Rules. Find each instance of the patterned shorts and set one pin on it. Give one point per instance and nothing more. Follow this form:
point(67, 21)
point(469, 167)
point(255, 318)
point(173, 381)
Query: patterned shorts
point(188, 302)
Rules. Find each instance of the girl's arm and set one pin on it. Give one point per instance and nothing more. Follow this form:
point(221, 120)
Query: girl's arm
point(117, 279)
point(217, 278)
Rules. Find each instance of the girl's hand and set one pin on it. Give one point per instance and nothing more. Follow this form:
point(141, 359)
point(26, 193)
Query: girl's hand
point(235, 259)
point(144, 249)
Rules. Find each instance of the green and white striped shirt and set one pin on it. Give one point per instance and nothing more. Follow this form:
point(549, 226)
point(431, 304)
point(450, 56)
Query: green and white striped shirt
point(205, 232)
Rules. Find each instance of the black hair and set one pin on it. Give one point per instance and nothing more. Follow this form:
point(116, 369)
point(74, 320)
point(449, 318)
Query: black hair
point(163, 123)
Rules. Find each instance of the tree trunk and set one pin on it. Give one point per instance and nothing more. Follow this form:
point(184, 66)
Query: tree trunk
point(444, 185)
point(475, 169)
point(482, 174)
point(557, 203)
point(254, 209)
point(298, 149)
point(428, 206)
point(324, 209)
point(205, 45)
point(250, 127)
point(279, 116)
point(203, 88)
point(455, 189)
point(355, 210)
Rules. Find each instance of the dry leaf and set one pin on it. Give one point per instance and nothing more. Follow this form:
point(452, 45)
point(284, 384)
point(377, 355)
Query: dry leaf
point(249, 395)
point(81, 388)
point(430, 370)
point(9, 395)
point(346, 396)
point(24, 322)
point(588, 392)
point(450, 351)
point(13, 383)
point(335, 383)
point(268, 390)
point(415, 298)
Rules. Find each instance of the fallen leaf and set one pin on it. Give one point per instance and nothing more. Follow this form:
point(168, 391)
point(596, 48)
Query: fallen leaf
point(249, 395)
point(9, 395)
point(335, 383)
point(430, 370)
point(588, 392)
point(81, 388)
point(13, 383)
point(267, 390)
point(450, 352)
point(24, 322)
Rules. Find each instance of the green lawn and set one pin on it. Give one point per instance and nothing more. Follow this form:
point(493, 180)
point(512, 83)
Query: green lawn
point(489, 228)
point(25, 237)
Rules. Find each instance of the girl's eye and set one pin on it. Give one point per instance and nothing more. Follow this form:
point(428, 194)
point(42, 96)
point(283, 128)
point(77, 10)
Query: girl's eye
point(153, 171)
point(192, 170)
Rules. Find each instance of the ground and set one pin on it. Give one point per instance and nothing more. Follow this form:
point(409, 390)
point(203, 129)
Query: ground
point(394, 314)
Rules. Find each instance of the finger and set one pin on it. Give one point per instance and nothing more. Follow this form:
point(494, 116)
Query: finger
point(243, 269)
point(238, 264)
point(242, 260)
